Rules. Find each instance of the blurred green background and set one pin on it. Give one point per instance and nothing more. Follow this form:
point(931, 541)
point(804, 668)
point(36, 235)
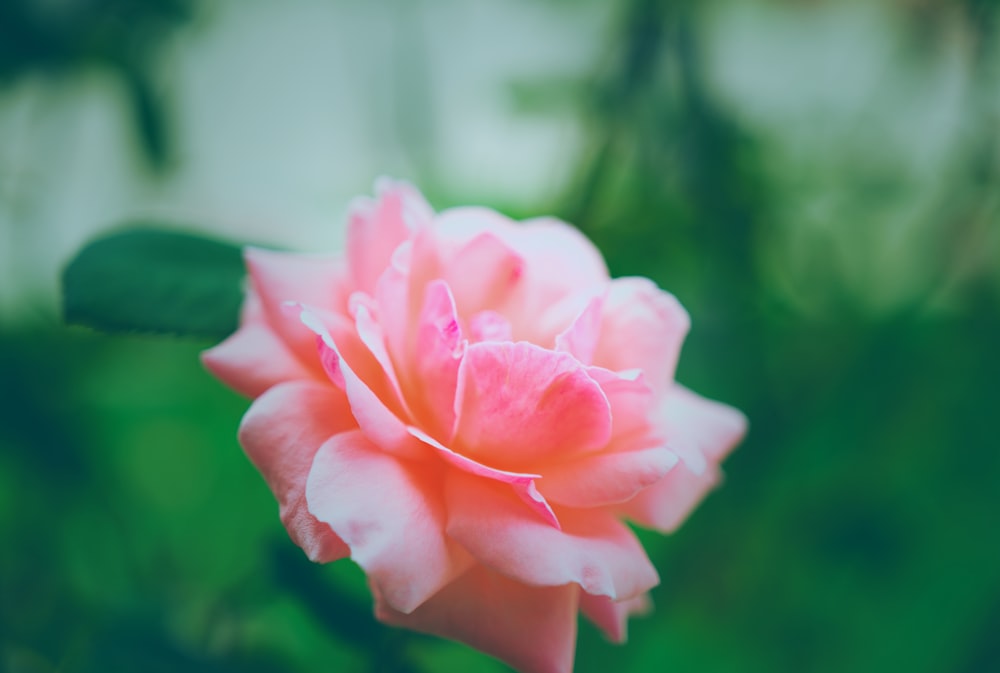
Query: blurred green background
point(816, 181)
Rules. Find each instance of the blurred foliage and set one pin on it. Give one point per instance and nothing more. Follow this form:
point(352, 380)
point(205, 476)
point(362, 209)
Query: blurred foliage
point(858, 526)
point(122, 37)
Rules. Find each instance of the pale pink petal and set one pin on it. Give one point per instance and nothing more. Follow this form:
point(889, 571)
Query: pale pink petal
point(375, 229)
point(483, 274)
point(605, 478)
point(352, 349)
point(519, 403)
point(379, 423)
point(713, 427)
point(523, 484)
point(633, 407)
point(281, 277)
point(612, 616)
point(667, 503)
point(370, 332)
point(392, 291)
point(400, 294)
point(580, 338)
point(489, 326)
point(533, 629)
point(593, 549)
point(551, 320)
point(552, 250)
point(557, 260)
point(434, 369)
point(254, 358)
point(458, 226)
point(575, 257)
point(642, 327)
point(281, 433)
point(391, 515)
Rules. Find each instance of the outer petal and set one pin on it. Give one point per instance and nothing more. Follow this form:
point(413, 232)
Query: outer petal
point(390, 513)
point(667, 503)
point(281, 434)
point(612, 616)
point(254, 358)
point(562, 251)
point(520, 403)
point(643, 327)
point(280, 277)
point(605, 478)
point(557, 259)
point(593, 549)
point(633, 407)
point(713, 427)
point(376, 228)
point(702, 432)
point(556, 254)
point(531, 628)
point(559, 262)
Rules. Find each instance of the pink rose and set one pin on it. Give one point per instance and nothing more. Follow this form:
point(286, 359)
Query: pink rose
point(469, 407)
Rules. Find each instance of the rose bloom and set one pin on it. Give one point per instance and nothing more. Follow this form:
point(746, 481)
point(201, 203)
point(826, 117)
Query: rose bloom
point(469, 408)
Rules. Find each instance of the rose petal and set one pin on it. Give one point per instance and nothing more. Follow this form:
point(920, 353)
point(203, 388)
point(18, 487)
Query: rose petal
point(714, 428)
point(483, 274)
point(392, 291)
point(605, 478)
point(522, 484)
point(370, 332)
point(667, 503)
point(533, 629)
point(401, 291)
point(380, 424)
point(254, 358)
point(571, 255)
point(489, 326)
point(557, 259)
point(390, 513)
point(633, 407)
point(612, 616)
point(593, 549)
point(439, 349)
point(581, 337)
point(280, 277)
point(281, 433)
point(702, 432)
point(375, 229)
point(642, 327)
point(519, 403)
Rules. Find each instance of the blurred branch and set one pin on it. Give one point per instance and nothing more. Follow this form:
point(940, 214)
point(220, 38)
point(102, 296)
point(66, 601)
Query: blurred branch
point(123, 37)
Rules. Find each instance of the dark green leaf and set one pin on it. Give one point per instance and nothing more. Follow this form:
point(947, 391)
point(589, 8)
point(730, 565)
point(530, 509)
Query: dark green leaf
point(147, 280)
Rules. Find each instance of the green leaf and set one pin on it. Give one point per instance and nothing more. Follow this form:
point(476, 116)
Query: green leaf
point(155, 281)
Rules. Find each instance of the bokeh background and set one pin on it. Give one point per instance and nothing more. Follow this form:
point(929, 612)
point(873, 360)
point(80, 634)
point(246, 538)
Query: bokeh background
point(817, 181)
